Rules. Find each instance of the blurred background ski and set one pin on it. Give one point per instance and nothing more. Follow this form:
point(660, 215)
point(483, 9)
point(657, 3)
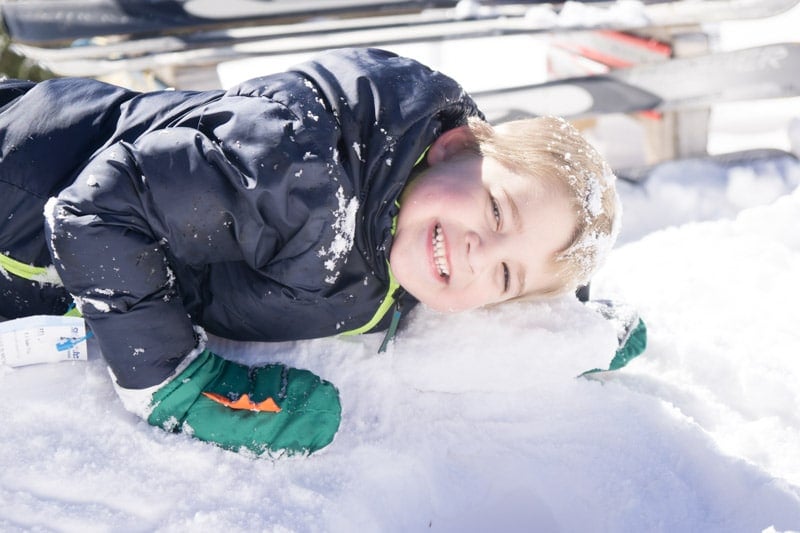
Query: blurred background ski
point(96, 37)
point(763, 72)
point(63, 21)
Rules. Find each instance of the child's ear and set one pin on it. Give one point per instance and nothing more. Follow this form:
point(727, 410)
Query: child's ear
point(450, 143)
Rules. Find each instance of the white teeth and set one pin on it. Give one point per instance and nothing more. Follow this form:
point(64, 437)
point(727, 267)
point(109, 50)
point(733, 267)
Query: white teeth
point(438, 252)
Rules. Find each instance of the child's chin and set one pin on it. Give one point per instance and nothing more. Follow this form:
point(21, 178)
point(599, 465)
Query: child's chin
point(437, 306)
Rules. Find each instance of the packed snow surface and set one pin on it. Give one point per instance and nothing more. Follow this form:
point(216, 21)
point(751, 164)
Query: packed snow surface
point(477, 422)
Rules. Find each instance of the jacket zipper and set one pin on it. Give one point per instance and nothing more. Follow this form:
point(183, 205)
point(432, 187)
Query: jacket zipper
point(398, 312)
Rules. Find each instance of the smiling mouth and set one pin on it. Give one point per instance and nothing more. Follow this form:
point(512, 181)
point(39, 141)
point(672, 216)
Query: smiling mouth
point(439, 255)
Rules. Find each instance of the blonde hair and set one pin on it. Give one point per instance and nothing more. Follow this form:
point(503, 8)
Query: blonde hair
point(550, 148)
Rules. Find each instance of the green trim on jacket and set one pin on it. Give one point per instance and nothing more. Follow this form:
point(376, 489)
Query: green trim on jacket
point(389, 300)
point(29, 272)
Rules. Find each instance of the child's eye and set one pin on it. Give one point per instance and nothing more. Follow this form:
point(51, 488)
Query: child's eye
point(496, 212)
point(506, 278)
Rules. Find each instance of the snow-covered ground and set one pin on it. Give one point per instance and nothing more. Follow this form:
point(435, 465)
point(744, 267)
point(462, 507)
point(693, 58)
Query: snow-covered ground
point(476, 422)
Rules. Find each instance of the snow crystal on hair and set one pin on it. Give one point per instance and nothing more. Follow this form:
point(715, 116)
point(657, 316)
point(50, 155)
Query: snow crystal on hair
point(593, 184)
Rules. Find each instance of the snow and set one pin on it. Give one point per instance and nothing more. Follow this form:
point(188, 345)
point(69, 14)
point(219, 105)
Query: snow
point(344, 228)
point(576, 14)
point(476, 422)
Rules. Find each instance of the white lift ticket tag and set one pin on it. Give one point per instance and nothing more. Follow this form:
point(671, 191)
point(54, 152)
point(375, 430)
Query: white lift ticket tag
point(42, 339)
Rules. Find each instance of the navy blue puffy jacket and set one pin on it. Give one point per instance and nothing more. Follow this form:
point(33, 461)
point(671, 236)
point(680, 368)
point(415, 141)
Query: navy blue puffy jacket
point(259, 213)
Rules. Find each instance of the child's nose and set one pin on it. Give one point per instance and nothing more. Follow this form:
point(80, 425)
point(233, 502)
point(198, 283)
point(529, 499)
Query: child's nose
point(479, 250)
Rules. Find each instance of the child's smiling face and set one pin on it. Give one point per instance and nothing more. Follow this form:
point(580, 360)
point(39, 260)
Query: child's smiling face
point(471, 233)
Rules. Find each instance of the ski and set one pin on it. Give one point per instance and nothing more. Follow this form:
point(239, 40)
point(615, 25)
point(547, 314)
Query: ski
point(755, 73)
point(53, 21)
point(185, 34)
point(62, 21)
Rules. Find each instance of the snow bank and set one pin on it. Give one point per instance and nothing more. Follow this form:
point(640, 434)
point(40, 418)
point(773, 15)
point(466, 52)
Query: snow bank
point(723, 299)
point(475, 422)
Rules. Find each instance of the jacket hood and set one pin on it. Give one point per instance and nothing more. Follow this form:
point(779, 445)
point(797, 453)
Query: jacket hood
point(389, 110)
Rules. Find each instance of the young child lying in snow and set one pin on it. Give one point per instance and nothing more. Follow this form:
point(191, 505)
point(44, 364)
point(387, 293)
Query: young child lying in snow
point(310, 203)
